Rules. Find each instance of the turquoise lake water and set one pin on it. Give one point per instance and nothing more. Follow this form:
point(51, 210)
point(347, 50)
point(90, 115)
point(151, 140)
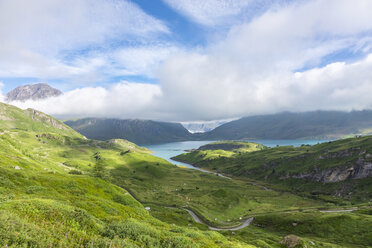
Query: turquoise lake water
point(169, 150)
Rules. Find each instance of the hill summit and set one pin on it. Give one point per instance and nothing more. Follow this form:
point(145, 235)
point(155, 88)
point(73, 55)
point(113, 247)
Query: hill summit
point(32, 92)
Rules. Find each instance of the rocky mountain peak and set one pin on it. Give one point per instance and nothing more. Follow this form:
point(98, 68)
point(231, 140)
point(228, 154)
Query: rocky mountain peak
point(32, 92)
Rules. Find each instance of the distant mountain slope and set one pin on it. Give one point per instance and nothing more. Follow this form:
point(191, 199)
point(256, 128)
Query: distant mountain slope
point(308, 125)
point(319, 124)
point(137, 131)
point(32, 92)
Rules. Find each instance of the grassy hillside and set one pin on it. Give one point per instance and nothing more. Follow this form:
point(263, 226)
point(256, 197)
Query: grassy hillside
point(280, 168)
point(55, 191)
point(315, 229)
point(308, 125)
point(58, 189)
point(137, 131)
point(341, 168)
point(13, 118)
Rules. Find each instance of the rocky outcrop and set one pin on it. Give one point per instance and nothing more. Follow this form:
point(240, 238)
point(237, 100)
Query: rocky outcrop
point(341, 154)
point(48, 120)
point(32, 92)
point(357, 170)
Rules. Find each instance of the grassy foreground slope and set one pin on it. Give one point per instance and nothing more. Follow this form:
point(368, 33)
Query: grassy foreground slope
point(52, 196)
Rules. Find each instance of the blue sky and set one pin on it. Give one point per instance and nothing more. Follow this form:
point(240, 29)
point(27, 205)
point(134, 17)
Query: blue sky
point(188, 60)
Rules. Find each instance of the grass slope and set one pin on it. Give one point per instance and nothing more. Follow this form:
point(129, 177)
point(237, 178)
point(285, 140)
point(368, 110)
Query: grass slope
point(275, 165)
point(59, 189)
point(55, 191)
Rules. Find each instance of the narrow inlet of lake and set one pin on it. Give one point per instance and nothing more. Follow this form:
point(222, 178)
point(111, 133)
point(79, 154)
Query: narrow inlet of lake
point(169, 150)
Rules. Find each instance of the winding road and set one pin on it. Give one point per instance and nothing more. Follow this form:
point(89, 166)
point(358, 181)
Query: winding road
point(198, 220)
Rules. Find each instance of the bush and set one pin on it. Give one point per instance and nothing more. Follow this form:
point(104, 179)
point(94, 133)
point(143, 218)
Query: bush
point(75, 172)
point(99, 170)
point(124, 152)
point(34, 189)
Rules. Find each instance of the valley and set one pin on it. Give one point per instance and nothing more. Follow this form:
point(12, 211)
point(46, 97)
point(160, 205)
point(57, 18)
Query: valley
point(109, 192)
point(185, 124)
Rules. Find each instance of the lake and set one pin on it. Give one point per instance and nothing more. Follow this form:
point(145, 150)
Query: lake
point(169, 150)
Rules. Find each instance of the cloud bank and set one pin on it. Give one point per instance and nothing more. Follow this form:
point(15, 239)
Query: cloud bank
point(299, 56)
point(337, 86)
point(133, 100)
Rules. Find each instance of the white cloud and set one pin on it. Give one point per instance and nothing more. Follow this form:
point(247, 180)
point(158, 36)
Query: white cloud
point(51, 39)
point(142, 60)
point(124, 100)
point(49, 25)
point(252, 70)
point(337, 86)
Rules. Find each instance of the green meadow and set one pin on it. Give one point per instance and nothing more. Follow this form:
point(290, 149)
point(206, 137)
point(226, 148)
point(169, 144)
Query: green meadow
point(59, 189)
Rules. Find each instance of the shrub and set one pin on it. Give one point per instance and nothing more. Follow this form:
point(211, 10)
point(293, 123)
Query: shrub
point(75, 172)
point(34, 189)
point(124, 152)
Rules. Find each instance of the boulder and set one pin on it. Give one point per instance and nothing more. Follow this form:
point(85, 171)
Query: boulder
point(291, 241)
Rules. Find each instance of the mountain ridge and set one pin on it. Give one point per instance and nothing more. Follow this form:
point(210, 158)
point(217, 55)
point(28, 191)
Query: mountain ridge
point(135, 130)
point(286, 125)
point(289, 125)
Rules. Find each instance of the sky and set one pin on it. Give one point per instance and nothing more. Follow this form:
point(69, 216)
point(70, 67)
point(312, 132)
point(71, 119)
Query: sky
point(188, 60)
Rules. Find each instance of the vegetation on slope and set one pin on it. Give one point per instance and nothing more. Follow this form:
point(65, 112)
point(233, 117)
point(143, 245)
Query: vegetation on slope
point(59, 189)
point(338, 168)
point(55, 192)
point(315, 229)
point(278, 166)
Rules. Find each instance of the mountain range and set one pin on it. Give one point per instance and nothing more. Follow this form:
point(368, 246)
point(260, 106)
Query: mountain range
point(308, 125)
point(287, 125)
point(137, 131)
